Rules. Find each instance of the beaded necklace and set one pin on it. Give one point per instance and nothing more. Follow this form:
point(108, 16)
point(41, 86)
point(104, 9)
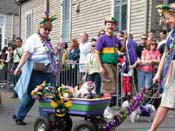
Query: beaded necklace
point(50, 51)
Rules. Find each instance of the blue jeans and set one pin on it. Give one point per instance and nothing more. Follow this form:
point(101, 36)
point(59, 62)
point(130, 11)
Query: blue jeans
point(97, 79)
point(144, 79)
point(27, 101)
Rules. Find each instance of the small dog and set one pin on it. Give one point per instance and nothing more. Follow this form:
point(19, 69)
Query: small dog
point(87, 90)
point(145, 111)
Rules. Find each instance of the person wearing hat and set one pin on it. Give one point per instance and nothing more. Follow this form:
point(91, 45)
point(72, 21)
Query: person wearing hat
point(38, 50)
point(107, 58)
point(166, 72)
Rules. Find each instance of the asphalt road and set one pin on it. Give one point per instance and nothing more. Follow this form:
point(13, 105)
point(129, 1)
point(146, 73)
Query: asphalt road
point(10, 105)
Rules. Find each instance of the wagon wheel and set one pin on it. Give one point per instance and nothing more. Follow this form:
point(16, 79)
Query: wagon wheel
point(67, 123)
point(61, 123)
point(84, 126)
point(42, 124)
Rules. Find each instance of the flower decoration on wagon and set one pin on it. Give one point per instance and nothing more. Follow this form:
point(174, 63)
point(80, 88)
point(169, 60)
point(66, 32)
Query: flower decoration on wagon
point(59, 99)
point(44, 91)
point(61, 102)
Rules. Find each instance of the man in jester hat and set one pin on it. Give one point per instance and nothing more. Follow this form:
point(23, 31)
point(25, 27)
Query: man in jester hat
point(166, 71)
point(107, 48)
point(38, 49)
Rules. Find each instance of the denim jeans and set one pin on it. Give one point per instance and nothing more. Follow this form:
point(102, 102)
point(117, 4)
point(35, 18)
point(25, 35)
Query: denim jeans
point(27, 101)
point(144, 79)
point(97, 79)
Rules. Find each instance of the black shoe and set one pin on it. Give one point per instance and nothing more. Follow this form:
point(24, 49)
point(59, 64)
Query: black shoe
point(18, 121)
point(14, 117)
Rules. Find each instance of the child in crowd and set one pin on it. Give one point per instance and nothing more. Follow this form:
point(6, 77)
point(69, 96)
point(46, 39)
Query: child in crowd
point(92, 69)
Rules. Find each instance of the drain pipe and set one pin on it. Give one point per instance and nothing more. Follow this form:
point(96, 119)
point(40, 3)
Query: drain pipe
point(146, 3)
point(129, 16)
point(12, 27)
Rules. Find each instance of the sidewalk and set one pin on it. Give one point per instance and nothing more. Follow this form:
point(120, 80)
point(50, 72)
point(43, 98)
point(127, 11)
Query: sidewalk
point(7, 124)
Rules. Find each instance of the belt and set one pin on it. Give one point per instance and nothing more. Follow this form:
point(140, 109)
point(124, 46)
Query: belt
point(16, 62)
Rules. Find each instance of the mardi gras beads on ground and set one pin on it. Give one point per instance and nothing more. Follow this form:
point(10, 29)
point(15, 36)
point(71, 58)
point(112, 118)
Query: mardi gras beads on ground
point(119, 117)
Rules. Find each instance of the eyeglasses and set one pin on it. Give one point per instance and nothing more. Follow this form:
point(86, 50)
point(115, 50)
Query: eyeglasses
point(47, 29)
point(92, 45)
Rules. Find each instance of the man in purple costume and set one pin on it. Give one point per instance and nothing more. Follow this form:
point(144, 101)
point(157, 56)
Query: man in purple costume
point(107, 58)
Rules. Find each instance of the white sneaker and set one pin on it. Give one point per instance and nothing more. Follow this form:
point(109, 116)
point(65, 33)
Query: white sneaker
point(108, 114)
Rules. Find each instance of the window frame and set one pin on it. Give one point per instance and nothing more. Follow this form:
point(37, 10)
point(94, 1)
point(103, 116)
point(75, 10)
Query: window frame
point(27, 31)
point(66, 21)
point(120, 4)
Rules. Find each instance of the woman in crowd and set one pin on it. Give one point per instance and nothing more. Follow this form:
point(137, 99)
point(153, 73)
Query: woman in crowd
point(149, 58)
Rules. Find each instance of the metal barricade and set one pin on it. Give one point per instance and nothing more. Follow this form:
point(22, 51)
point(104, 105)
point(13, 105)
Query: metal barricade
point(70, 75)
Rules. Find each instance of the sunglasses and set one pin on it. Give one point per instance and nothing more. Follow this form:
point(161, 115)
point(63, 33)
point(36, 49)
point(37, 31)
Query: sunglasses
point(47, 29)
point(144, 38)
point(92, 45)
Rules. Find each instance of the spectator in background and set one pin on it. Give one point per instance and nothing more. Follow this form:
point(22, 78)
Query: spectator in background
point(151, 35)
point(74, 52)
point(73, 60)
point(140, 48)
point(120, 35)
point(142, 45)
point(150, 57)
point(17, 54)
point(92, 68)
point(101, 32)
point(4, 66)
point(161, 45)
point(10, 65)
point(85, 48)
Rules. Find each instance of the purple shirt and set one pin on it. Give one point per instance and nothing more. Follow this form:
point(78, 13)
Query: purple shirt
point(105, 46)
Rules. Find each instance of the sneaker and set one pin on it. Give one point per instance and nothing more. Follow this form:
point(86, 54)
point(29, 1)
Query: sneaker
point(108, 114)
point(18, 121)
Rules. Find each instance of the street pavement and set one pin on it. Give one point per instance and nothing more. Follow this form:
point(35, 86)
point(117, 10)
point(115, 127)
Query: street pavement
point(10, 105)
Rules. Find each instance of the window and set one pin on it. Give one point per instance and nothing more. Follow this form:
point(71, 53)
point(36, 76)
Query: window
point(65, 20)
point(28, 24)
point(120, 12)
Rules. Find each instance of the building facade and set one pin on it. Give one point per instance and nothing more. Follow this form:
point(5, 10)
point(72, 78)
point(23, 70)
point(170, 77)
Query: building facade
point(9, 23)
point(78, 16)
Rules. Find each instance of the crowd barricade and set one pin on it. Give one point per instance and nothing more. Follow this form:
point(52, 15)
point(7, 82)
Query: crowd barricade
point(70, 74)
point(118, 94)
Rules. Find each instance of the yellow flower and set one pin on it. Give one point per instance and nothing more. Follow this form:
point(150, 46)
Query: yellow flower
point(68, 104)
point(53, 104)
